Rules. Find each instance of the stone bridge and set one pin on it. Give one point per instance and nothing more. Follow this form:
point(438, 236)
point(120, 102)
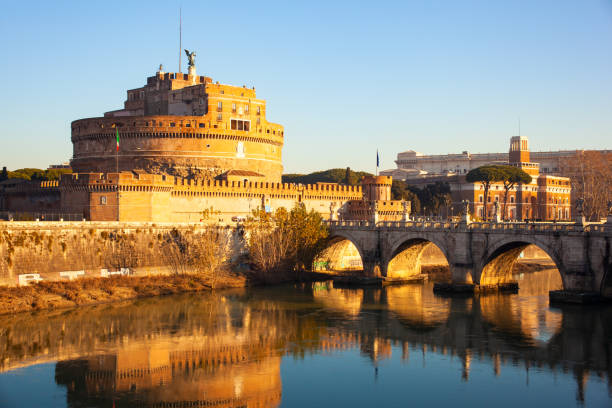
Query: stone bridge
point(481, 253)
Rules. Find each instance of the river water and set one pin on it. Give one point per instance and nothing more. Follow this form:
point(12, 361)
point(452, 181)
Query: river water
point(313, 345)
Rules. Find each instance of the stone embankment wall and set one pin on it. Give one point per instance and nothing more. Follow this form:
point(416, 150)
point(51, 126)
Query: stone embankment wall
point(48, 248)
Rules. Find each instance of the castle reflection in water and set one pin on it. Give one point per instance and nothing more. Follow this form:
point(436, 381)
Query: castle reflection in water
point(225, 349)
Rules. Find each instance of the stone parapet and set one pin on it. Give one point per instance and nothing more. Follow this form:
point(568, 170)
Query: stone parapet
point(168, 126)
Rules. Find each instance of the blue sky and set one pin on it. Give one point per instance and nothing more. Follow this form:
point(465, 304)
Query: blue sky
point(344, 78)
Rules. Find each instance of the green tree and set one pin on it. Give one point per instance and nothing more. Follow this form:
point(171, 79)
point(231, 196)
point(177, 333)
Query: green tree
point(4, 174)
point(401, 191)
point(347, 176)
point(38, 174)
point(485, 175)
point(511, 177)
point(437, 196)
point(327, 176)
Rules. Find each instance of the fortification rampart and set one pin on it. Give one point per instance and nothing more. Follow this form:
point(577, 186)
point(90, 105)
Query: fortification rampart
point(139, 196)
point(186, 146)
point(30, 196)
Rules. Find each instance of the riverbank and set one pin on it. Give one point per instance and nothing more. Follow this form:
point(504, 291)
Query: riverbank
point(49, 295)
point(66, 294)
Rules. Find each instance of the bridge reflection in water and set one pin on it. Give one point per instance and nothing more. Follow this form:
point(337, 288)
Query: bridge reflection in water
point(227, 349)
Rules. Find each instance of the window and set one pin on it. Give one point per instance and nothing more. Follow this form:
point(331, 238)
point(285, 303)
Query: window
point(234, 107)
point(259, 110)
point(219, 116)
point(102, 200)
point(259, 121)
point(219, 106)
point(237, 124)
point(246, 108)
point(512, 199)
point(201, 125)
point(480, 199)
point(172, 124)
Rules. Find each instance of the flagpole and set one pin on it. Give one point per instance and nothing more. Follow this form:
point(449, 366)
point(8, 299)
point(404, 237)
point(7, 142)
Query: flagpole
point(117, 150)
point(180, 36)
point(377, 162)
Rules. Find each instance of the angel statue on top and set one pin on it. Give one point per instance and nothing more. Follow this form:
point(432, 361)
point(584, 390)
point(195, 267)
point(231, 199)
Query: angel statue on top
point(191, 55)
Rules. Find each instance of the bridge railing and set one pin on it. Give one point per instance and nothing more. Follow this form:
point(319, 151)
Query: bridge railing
point(478, 226)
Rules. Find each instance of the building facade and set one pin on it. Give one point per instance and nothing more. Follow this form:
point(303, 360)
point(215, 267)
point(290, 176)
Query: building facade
point(546, 198)
point(411, 164)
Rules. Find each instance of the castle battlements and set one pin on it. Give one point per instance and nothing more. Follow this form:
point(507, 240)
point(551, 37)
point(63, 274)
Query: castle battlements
point(177, 186)
point(30, 186)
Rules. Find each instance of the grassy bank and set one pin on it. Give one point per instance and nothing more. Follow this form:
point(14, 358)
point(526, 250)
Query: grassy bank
point(64, 294)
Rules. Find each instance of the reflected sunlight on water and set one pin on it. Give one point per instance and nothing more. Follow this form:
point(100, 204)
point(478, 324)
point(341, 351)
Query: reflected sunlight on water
point(266, 346)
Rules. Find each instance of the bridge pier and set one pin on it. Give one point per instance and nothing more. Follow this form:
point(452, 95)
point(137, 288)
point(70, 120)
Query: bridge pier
point(461, 273)
point(371, 268)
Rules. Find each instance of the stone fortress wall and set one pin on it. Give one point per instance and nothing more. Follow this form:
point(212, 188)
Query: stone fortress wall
point(186, 146)
point(190, 150)
point(139, 196)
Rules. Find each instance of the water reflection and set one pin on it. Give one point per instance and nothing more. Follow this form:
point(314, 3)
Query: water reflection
point(226, 349)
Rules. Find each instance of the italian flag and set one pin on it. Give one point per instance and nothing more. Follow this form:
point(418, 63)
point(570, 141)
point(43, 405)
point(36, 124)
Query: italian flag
point(117, 129)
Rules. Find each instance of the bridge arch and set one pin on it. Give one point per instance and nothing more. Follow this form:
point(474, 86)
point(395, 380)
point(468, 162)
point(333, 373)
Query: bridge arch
point(498, 260)
point(341, 254)
point(405, 257)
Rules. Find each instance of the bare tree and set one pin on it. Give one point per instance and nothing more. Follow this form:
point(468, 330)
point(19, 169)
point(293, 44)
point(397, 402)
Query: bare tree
point(591, 177)
point(209, 253)
point(285, 242)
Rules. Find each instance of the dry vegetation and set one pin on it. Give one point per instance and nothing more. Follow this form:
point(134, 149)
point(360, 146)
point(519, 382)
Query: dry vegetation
point(199, 260)
point(591, 177)
point(49, 295)
point(205, 254)
point(283, 244)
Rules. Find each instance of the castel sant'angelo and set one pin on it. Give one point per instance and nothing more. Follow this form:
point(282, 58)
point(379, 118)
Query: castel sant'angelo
point(185, 148)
